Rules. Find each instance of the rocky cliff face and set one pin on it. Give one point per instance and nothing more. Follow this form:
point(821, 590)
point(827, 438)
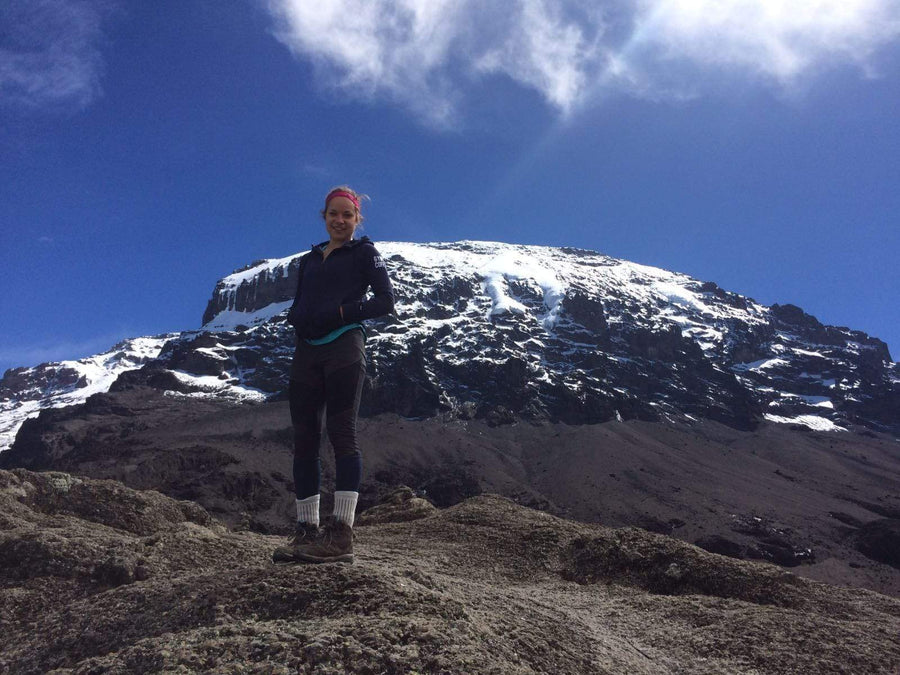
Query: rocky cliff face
point(254, 287)
point(502, 332)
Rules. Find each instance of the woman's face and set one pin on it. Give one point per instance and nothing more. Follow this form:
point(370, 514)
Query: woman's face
point(341, 220)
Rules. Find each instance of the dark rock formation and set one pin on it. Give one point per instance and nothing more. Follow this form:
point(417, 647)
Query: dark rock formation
point(398, 506)
point(772, 543)
point(880, 540)
point(662, 565)
point(273, 285)
point(716, 543)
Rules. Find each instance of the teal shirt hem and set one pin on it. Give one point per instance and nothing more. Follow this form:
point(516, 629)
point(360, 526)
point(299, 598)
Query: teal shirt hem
point(335, 334)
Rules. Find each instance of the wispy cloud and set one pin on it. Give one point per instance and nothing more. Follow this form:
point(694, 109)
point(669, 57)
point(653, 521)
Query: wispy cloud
point(316, 170)
point(546, 50)
point(49, 53)
point(423, 53)
point(398, 49)
point(781, 42)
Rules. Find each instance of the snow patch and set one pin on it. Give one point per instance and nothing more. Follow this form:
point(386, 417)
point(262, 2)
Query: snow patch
point(804, 352)
point(230, 319)
point(819, 401)
point(212, 353)
point(679, 295)
point(765, 364)
point(214, 387)
point(812, 421)
point(12, 420)
point(271, 267)
point(499, 270)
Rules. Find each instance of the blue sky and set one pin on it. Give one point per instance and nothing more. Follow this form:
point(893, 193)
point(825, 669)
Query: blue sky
point(149, 149)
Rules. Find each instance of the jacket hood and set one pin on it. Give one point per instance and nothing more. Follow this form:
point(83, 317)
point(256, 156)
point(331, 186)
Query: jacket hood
point(353, 243)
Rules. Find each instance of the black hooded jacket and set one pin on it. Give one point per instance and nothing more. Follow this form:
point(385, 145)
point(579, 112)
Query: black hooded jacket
point(325, 287)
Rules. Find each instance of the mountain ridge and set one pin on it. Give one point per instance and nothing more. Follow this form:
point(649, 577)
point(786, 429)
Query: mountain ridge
point(571, 335)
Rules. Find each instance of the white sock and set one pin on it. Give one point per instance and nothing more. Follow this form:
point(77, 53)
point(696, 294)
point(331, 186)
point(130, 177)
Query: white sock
point(308, 510)
point(345, 505)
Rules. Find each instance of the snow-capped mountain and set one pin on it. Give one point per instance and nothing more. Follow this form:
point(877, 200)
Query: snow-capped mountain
point(503, 332)
point(24, 392)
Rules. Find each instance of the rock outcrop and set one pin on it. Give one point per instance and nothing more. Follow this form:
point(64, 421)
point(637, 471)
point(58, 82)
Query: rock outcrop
point(266, 284)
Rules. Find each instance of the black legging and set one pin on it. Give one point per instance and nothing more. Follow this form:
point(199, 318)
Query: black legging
point(327, 381)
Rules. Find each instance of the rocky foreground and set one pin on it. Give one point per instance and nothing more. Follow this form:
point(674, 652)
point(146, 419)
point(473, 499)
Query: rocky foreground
point(99, 578)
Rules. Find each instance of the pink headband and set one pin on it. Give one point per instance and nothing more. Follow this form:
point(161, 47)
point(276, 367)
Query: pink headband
point(342, 193)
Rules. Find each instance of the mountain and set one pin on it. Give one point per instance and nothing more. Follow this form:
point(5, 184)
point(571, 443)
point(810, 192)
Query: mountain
point(566, 335)
point(565, 380)
point(24, 392)
point(101, 578)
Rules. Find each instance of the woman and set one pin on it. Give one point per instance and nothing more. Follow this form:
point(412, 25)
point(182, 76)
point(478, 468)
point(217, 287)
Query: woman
point(327, 374)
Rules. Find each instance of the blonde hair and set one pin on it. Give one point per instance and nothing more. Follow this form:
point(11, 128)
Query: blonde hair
point(346, 188)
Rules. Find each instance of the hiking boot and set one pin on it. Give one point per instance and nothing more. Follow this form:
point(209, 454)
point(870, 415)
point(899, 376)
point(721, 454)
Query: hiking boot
point(303, 534)
point(334, 544)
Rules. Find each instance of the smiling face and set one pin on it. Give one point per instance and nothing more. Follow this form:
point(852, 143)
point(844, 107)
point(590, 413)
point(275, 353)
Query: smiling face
point(341, 220)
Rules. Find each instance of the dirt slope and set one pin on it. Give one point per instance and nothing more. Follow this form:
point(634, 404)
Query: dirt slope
point(826, 504)
point(97, 577)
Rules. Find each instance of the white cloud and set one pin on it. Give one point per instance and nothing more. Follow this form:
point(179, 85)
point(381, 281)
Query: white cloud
point(315, 170)
point(774, 38)
point(375, 47)
point(424, 53)
point(545, 51)
point(49, 52)
point(421, 52)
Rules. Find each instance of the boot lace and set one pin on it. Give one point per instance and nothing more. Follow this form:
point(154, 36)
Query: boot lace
point(302, 533)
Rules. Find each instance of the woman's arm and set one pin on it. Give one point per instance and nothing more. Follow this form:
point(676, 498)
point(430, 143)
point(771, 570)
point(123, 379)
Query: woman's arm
point(293, 316)
point(382, 300)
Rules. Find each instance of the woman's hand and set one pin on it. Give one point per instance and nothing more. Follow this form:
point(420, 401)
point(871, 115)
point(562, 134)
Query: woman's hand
point(325, 322)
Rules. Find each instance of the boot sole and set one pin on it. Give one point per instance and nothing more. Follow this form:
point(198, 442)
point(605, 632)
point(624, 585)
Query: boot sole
point(299, 560)
point(343, 558)
point(285, 558)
